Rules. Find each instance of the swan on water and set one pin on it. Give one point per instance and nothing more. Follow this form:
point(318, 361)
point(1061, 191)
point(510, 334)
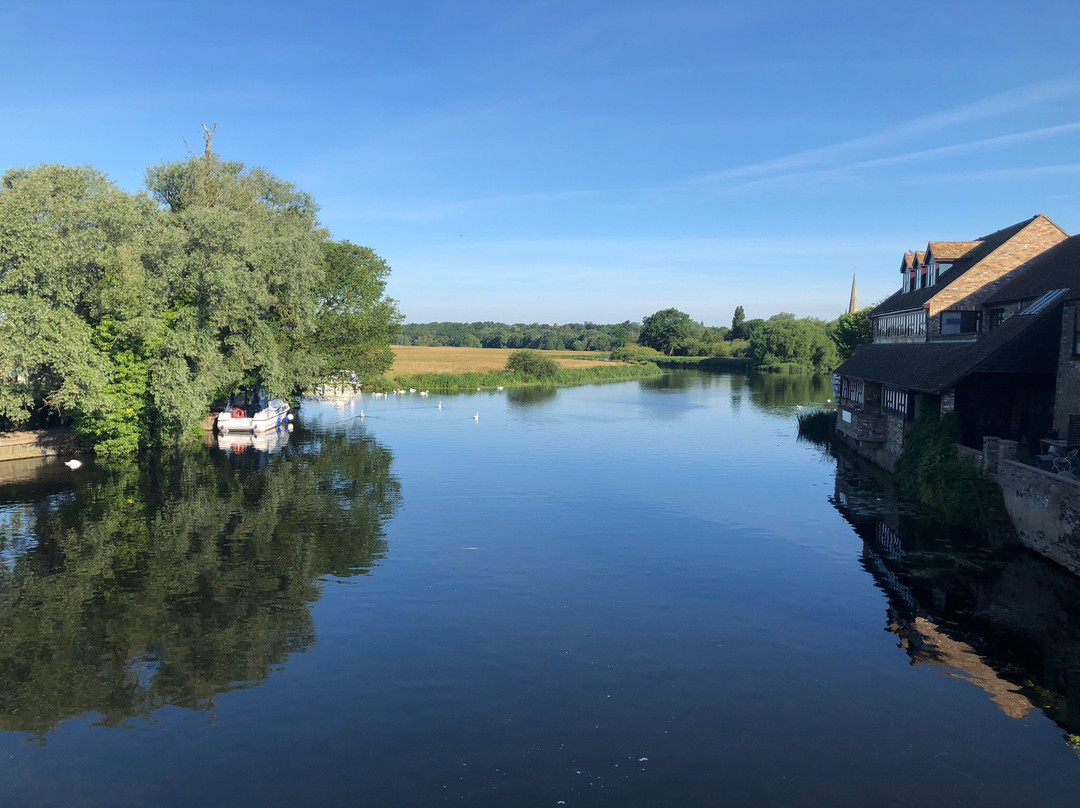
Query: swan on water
point(476, 417)
point(73, 464)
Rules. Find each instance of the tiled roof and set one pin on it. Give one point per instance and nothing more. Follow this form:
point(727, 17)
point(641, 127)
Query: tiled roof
point(1019, 345)
point(949, 251)
point(902, 301)
point(1057, 268)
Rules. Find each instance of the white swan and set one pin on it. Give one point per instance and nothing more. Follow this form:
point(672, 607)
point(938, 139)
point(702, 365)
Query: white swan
point(73, 464)
point(476, 417)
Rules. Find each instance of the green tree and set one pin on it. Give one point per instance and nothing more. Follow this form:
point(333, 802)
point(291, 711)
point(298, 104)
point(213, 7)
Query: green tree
point(737, 331)
point(851, 330)
point(532, 363)
point(355, 323)
point(128, 315)
point(794, 344)
point(242, 287)
point(666, 330)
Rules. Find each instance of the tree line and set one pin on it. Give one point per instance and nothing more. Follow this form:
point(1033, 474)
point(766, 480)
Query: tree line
point(536, 336)
point(781, 342)
point(127, 315)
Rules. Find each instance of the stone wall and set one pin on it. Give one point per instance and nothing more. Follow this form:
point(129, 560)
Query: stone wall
point(895, 428)
point(40, 443)
point(1044, 509)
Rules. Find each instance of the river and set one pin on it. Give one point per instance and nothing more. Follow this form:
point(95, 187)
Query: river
point(634, 594)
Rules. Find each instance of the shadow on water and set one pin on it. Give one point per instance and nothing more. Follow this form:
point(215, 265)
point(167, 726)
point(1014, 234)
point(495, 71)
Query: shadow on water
point(768, 392)
point(174, 580)
point(775, 392)
point(985, 610)
point(531, 395)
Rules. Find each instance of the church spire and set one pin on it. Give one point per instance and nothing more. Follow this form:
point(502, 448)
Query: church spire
point(853, 304)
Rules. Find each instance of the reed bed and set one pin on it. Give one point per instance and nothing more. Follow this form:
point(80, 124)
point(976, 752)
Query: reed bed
point(818, 426)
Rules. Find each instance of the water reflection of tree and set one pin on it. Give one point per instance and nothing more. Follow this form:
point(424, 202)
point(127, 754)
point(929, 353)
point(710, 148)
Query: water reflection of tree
point(175, 581)
point(530, 395)
point(784, 391)
point(981, 609)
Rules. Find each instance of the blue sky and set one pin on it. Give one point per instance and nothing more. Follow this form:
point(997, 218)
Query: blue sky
point(563, 161)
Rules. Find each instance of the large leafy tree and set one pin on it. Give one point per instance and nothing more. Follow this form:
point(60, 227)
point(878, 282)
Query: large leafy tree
point(242, 287)
point(130, 314)
point(802, 344)
point(666, 330)
point(851, 330)
point(355, 322)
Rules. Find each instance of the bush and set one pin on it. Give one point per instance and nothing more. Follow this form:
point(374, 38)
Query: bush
point(635, 353)
point(532, 363)
point(931, 472)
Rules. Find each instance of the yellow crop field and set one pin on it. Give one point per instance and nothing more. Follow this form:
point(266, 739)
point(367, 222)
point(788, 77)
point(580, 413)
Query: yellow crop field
point(410, 360)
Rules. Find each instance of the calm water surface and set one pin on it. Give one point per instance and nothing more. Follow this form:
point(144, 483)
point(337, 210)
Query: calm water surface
point(632, 594)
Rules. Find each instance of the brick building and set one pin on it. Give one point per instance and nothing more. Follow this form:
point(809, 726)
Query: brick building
point(985, 328)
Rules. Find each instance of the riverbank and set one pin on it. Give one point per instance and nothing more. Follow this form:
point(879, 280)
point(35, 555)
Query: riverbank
point(447, 370)
point(37, 443)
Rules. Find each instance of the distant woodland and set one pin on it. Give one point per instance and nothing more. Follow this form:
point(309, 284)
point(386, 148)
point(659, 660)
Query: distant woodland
point(782, 342)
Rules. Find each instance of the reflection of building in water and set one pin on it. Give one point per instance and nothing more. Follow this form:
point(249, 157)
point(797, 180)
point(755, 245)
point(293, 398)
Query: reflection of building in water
point(927, 644)
point(999, 617)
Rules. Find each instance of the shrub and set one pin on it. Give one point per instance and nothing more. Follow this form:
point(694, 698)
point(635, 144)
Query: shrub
point(931, 472)
point(532, 363)
point(635, 353)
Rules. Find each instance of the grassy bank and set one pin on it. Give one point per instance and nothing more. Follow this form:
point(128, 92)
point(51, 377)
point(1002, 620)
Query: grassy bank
point(445, 370)
point(451, 382)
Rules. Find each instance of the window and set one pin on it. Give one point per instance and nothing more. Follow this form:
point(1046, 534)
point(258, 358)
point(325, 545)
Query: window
point(1076, 332)
point(912, 324)
point(895, 400)
point(853, 390)
point(960, 322)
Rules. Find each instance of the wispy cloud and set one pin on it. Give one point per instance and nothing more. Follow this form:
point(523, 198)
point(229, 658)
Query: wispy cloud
point(430, 212)
point(1018, 173)
point(952, 150)
point(995, 106)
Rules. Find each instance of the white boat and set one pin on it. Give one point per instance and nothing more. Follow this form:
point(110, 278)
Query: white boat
point(272, 441)
point(253, 414)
